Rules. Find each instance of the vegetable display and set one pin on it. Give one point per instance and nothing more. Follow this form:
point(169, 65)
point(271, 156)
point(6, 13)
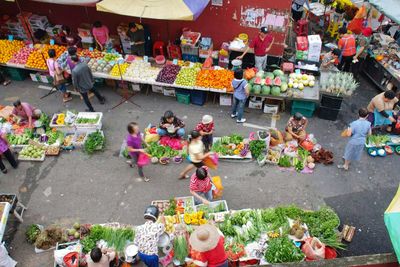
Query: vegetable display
point(83, 120)
point(233, 145)
point(32, 233)
point(180, 248)
point(31, 152)
point(257, 147)
point(282, 250)
point(159, 151)
point(378, 140)
point(94, 141)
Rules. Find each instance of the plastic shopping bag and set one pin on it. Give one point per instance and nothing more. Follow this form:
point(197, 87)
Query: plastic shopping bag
point(211, 161)
point(314, 249)
point(143, 160)
point(219, 189)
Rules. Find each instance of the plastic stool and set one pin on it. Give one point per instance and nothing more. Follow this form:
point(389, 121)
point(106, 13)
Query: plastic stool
point(301, 28)
point(158, 48)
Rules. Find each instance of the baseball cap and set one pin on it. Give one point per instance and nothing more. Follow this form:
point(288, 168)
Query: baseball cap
point(263, 29)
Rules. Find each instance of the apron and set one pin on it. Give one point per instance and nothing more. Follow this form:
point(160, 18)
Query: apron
point(380, 120)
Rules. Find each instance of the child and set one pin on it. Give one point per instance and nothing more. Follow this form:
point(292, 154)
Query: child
point(358, 132)
point(134, 142)
point(206, 129)
point(201, 186)
point(241, 92)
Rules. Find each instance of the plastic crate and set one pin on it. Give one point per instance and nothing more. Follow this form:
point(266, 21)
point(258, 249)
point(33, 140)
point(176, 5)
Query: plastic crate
point(326, 113)
point(306, 108)
point(192, 58)
point(17, 74)
point(331, 101)
point(183, 98)
point(305, 112)
point(198, 97)
point(98, 82)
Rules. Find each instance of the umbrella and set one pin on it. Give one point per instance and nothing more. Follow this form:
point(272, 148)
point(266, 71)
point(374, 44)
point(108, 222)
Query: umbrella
point(70, 2)
point(392, 222)
point(155, 9)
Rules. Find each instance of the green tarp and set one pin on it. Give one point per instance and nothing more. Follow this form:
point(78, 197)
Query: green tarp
point(391, 8)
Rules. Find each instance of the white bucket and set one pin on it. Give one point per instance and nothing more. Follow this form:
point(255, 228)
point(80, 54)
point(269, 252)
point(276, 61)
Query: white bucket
point(131, 252)
point(236, 64)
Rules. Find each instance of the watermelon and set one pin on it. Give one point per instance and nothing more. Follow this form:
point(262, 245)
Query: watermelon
point(265, 90)
point(278, 73)
point(284, 87)
point(277, 81)
point(257, 80)
point(257, 89)
point(284, 79)
point(252, 81)
point(275, 91)
point(250, 86)
point(268, 81)
point(269, 74)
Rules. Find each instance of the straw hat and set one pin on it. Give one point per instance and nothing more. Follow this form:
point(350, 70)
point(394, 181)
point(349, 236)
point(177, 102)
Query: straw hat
point(207, 119)
point(204, 238)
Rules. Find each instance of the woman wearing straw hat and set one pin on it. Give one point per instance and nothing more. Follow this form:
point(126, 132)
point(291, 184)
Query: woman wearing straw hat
point(209, 241)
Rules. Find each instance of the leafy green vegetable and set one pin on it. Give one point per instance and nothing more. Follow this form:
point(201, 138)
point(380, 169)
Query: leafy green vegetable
point(170, 211)
point(93, 142)
point(282, 250)
point(87, 120)
point(32, 233)
point(285, 161)
point(159, 151)
point(378, 140)
point(235, 139)
point(257, 147)
point(180, 248)
point(54, 136)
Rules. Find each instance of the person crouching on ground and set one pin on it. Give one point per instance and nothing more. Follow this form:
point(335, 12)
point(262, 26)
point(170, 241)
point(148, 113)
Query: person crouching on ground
point(358, 132)
point(25, 113)
point(100, 257)
point(171, 126)
point(206, 129)
point(201, 186)
point(134, 142)
point(296, 128)
point(82, 78)
point(147, 236)
point(196, 153)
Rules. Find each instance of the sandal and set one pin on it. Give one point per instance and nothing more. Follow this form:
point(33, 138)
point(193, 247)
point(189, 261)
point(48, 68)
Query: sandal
point(146, 179)
point(183, 177)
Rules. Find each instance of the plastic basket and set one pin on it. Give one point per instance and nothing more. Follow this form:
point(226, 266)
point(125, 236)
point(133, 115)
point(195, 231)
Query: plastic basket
point(303, 105)
point(96, 125)
point(17, 74)
point(198, 97)
point(183, 98)
point(326, 113)
point(192, 58)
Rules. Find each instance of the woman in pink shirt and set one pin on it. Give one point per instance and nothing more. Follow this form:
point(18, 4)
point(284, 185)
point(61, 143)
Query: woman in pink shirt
point(100, 34)
point(25, 112)
point(54, 69)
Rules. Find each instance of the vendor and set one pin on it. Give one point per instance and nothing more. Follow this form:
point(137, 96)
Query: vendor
point(297, 8)
point(25, 113)
point(68, 38)
point(170, 125)
point(147, 236)
point(209, 241)
point(330, 60)
point(363, 41)
point(381, 109)
point(100, 257)
point(101, 34)
point(347, 44)
point(261, 44)
point(296, 128)
point(136, 36)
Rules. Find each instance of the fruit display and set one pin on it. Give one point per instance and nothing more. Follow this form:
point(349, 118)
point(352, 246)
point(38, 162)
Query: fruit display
point(142, 70)
point(8, 49)
point(68, 140)
point(99, 65)
point(21, 57)
point(20, 139)
point(339, 83)
point(297, 80)
point(37, 59)
point(111, 56)
point(233, 145)
point(31, 152)
point(52, 150)
point(90, 54)
point(119, 70)
point(168, 74)
point(268, 83)
point(216, 79)
point(187, 76)
point(169, 223)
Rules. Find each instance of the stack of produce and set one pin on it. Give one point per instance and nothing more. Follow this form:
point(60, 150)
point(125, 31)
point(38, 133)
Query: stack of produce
point(37, 59)
point(20, 139)
point(187, 76)
point(111, 56)
point(31, 152)
point(232, 145)
point(339, 83)
point(90, 54)
point(266, 83)
point(94, 141)
point(119, 69)
point(163, 154)
point(99, 65)
point(168, 74)
point(142, 70)
point(216, 79)
point(22, 56)
point(301, 80)
point(8, 49)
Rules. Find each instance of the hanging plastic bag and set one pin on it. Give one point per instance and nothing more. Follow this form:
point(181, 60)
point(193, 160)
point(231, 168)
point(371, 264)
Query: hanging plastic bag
point(314, 249)
point(143, 160)
point(219, 189)
point(123, 151)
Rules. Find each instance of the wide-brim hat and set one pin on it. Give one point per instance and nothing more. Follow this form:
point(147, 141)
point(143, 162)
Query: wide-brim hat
point(207, 119)
point(204, 238)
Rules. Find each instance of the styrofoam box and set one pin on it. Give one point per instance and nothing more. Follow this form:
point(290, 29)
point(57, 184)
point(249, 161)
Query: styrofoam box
point(168, 91)
point(35, 77)
point(314, 58)
point(46, 79)
point(225, 100)
point(271, 109)
point(135, 87)
point(314, 41)
point(256, 102)
point(157, 89)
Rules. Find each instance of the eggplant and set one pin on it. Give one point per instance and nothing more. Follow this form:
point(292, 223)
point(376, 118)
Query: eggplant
point(178, 159)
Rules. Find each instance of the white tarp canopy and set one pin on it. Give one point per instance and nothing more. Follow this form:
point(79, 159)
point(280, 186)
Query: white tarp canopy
point(391, 8)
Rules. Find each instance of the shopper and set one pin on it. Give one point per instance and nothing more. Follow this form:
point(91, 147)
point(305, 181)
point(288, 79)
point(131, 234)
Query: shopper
point(69, 38)
point(201, 186)
point(134, 142)
point(241, 92)
point(136, 36)
point(171, 126)
point(196, 153)
point(25, 113)
point(296, 127)
point(209, 241)
point(147, 236)
point(101, 35)
point(206, 129)
point(57, 73)
point(297, 9)
point(6, 152)
point(261, 44)
point(358, 132)
point(100, 257)
point(82, 78)
point(363, 42)
point(381, 108)
point(347, 44)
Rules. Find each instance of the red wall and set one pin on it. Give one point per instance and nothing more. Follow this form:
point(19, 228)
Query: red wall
point(215, 22)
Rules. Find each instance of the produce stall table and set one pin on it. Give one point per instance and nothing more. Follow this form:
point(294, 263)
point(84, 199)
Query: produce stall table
point(5, 208)
point(379, 74)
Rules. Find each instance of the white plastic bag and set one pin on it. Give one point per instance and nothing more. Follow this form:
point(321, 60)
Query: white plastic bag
point(60, 254)
point(5, 259)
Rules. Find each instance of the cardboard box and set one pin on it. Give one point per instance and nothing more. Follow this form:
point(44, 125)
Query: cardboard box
point(302, 43)
point(157, 89)
point(256, 102)
point(168, 91)
point(135, 87)
point(46, 78)
point(225, 100)
point(314, 41)
point(271, 109)
point(35, 77)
